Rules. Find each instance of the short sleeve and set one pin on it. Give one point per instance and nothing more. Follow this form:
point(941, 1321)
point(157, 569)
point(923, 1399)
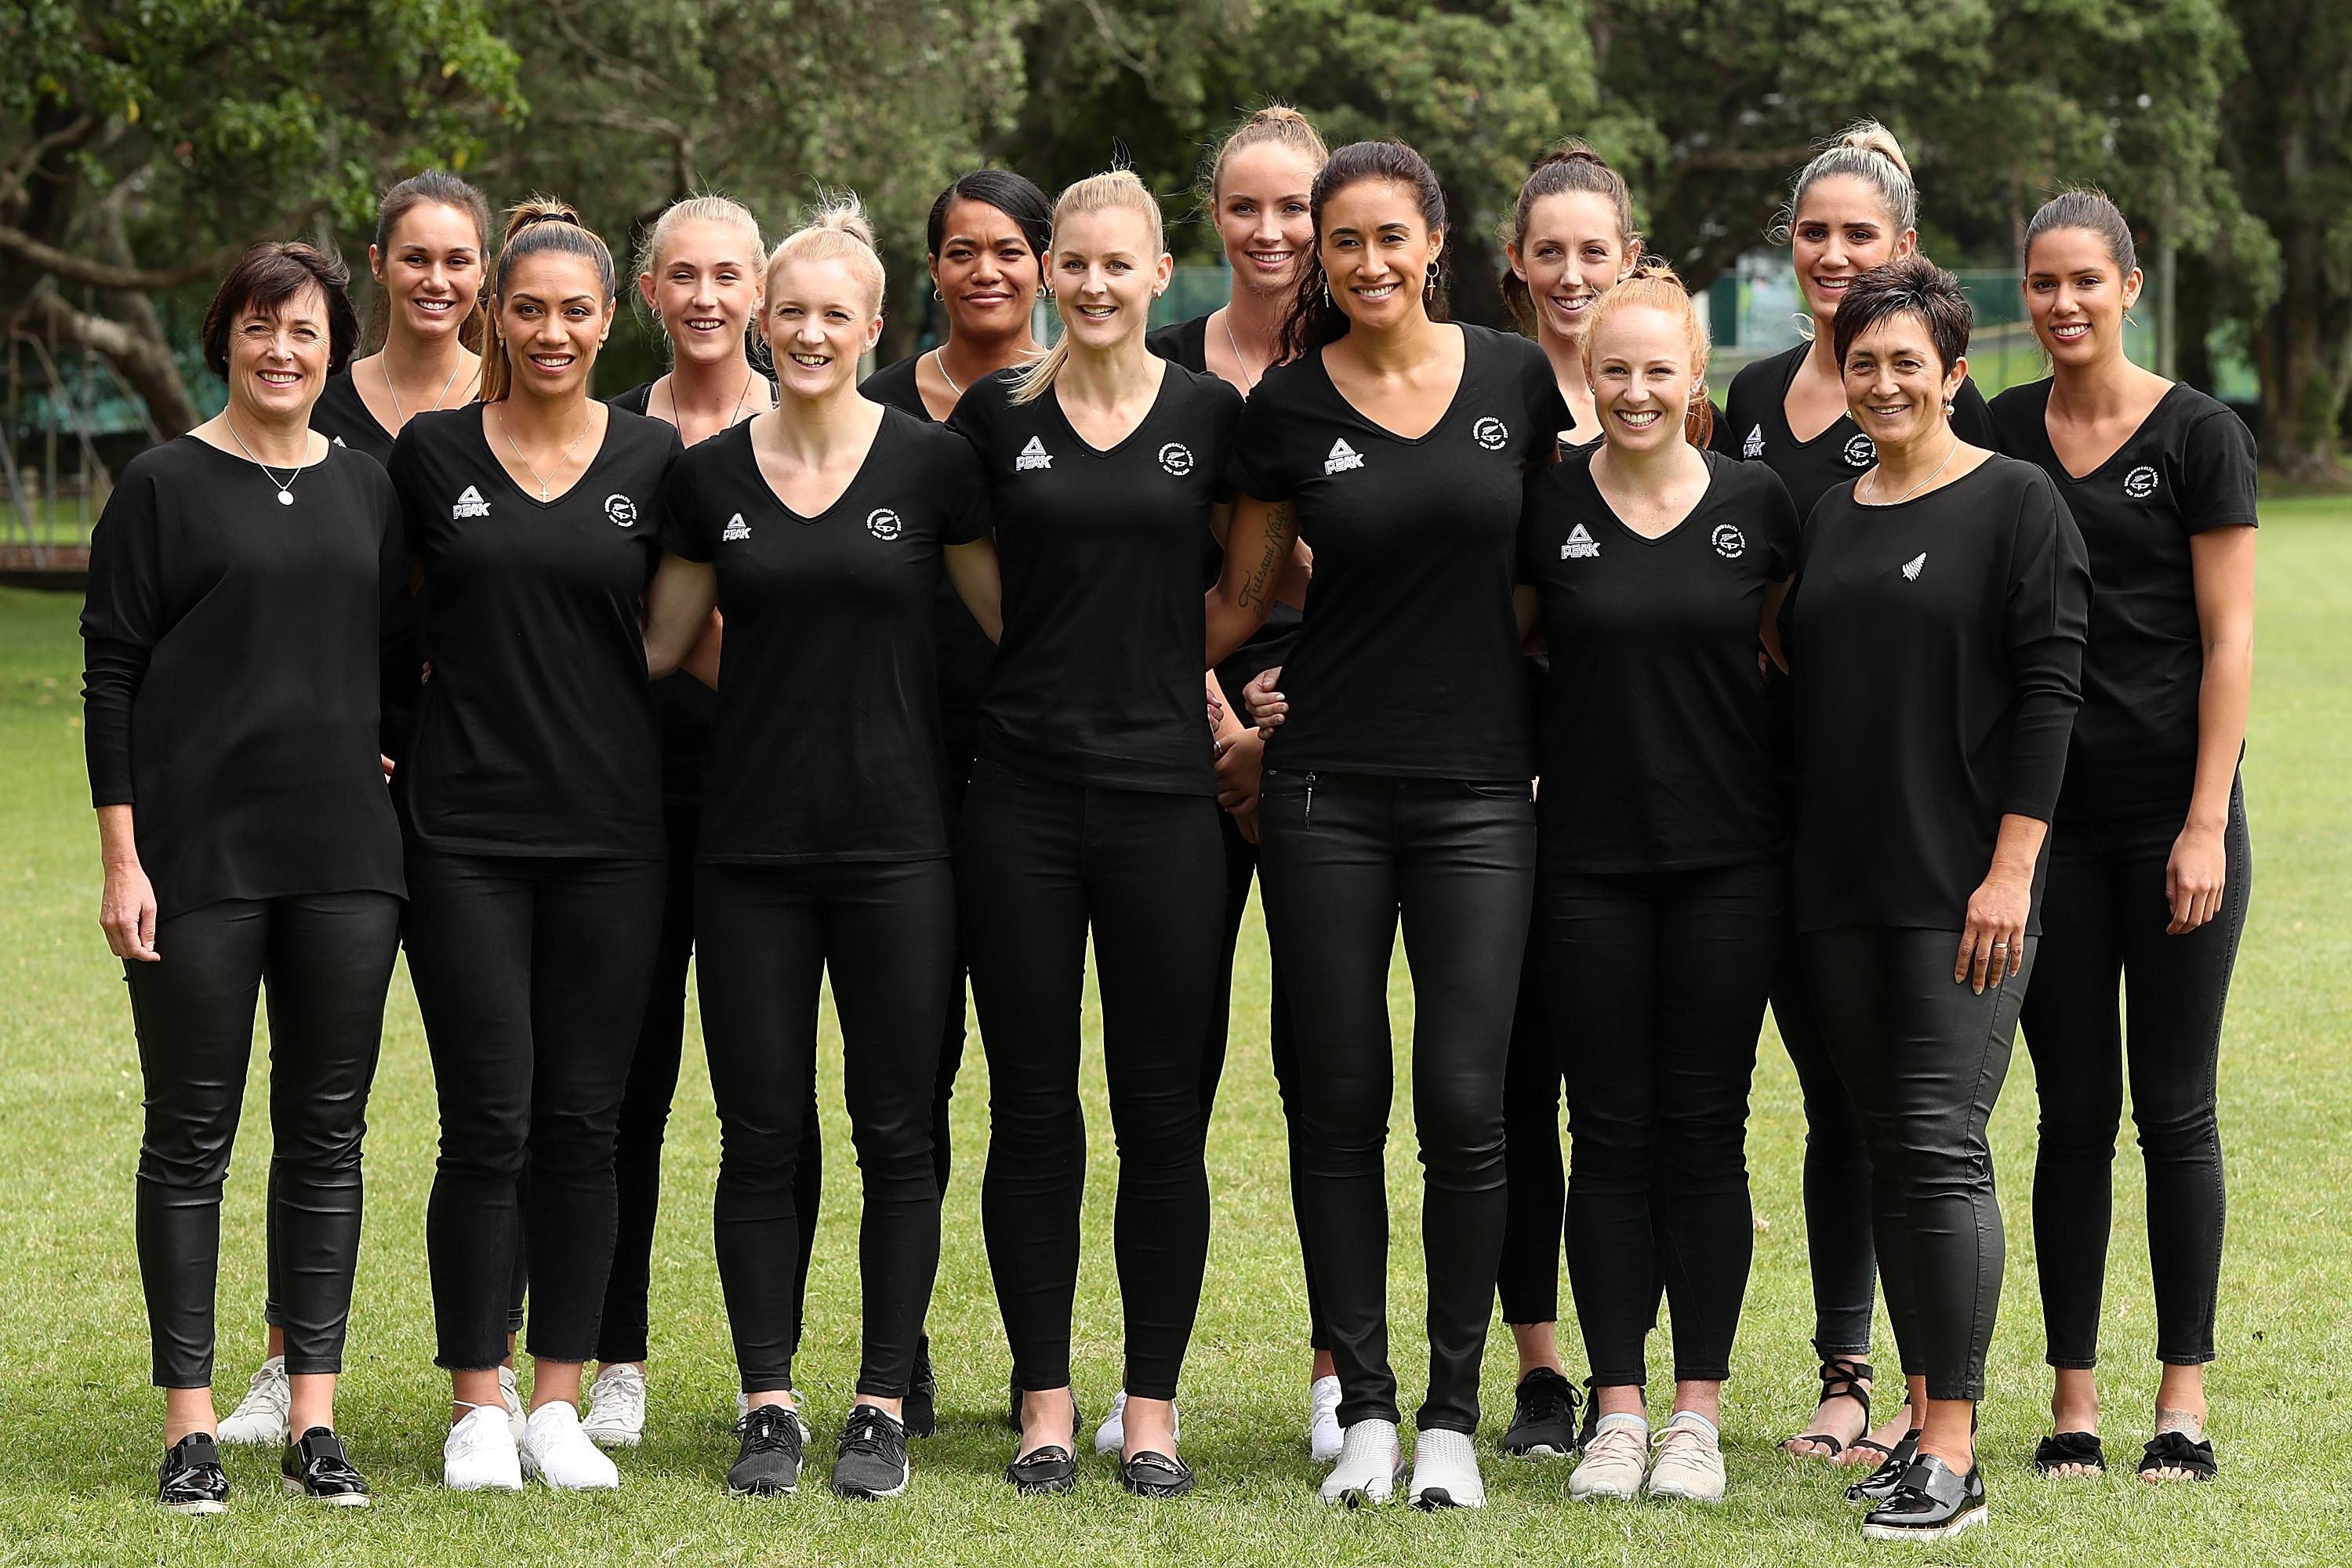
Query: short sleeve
point(1972, 417)
point(963, 488)
point(685, 528)
point(2217, 471)
point(406, 465)
point(1537, 493)
point(673, 449)
point(1258, 468)
point(1776, 515)
point(1230, 407)
point(974, 415)
point(1547, 412)
point(1719, 437)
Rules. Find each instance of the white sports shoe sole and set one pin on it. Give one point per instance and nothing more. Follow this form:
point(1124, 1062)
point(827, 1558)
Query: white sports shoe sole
point(1958, 1523)
point(293, 1488)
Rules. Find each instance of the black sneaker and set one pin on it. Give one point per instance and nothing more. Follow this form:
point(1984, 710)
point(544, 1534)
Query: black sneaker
point(190, 1480)
point(1882, 1482)
point(1543, 1421)
point(1933, 1502)
point(770, 1462)
point(870, 1459)
point(921, 1406)
point(315, 1465)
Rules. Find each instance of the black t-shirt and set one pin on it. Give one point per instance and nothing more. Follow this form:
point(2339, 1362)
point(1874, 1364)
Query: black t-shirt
point(827, 742)
point(683, 706)
point(1652, 741)
point(341, 417)
point(2189, 467)
point(1755, 428)
point(1097, 681)
point(231, 677)
point(1407, 659)
point(536, 733)
point(1936, 651)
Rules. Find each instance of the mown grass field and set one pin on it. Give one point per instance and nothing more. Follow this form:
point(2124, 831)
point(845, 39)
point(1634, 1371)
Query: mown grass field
point(78, 1426)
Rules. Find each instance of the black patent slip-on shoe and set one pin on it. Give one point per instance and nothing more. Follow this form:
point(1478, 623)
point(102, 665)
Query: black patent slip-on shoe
point(1935, 1501)
point(1880, 1484)
point(190, 1479)
point(315, 1465)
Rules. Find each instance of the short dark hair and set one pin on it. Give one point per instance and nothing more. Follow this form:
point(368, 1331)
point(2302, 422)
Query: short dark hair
point(1014, 195)
point(265, 278)
point(1912, 286)
point(2085, 209)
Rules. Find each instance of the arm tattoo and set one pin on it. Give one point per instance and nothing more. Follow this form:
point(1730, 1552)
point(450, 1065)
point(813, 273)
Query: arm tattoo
point(1281, 533)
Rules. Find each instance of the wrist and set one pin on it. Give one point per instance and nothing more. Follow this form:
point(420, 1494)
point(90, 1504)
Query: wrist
point(2201, 822)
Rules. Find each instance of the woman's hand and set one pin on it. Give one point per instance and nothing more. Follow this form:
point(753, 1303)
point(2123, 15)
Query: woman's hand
point(1992, 944)
point(1267, 706)
point(126, 913)
point(1241, 759)
point(2193, 879)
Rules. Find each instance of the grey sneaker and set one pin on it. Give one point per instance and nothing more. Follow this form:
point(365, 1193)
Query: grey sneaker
point(870, 1457)
point(260, 1416)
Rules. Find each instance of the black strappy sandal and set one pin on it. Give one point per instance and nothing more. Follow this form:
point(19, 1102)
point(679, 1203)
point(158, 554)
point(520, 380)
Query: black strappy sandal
point(2179, 1451)
point(2063, 1448)
point(1842, 1378)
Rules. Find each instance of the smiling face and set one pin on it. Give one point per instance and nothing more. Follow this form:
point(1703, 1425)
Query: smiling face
point(1841, 231)
point(821, 316)
point(1108, 267)
point(1571, 253)
point(277, 359)
point(432, 271)
point(553, 317)
point(2076, 296)
point(1894, 387)
point(1264, 215)
point(1643, 376)
point(705, 286)
point(985, 271)
point(1377, 252)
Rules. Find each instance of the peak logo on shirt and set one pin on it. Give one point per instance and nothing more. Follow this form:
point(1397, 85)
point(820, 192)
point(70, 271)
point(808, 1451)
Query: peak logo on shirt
point(1343, 458)
point(2140, 483)
point(882, 522)
point(1753, 447)
point(1912, 567)
point(1580, 545)
point(469, 503)
point(1490, 433)
point(621, 509)
point(1729, 542)
point(1032, 456)
point(1177, 459)
point(1861, 451)
point(736, 529)
point(337, 441)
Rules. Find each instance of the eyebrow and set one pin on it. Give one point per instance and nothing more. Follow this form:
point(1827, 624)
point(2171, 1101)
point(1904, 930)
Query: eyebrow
point(521, 296)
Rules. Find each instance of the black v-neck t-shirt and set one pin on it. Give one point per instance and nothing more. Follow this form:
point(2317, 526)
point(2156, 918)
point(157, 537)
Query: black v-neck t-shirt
point(1935, 647)
point(231, 677)
point(826, 745)
point(1097, 681)
point(2189, 467)
point(1652, 741)
point(536, 733)
point(1755, 428)
point(1408, 660)
point(343, 418)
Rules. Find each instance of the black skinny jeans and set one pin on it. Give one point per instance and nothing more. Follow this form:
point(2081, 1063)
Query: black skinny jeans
point(531, 976)
point(2104, 916)
point(1844, 1263)
point(884, 933)
point(1347, 857)
point(1655, 984)
point(1924, 1058)
point(327, 961)
point(1535, 1183)
point(1041, 863)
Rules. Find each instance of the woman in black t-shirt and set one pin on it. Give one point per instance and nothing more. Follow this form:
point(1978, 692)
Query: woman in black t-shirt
point(1394, 445)
point(2150, 865)
point(1936, 640)
point(232, 632)
point(533, 792)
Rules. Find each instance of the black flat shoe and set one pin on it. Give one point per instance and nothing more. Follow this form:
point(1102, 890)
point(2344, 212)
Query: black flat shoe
point(1153, 1474)
point(2179, 1451)
point(1543, 1418)
point(1048, 1470)
point(921, 1407)
point(2063, 1448)
point(1880, 1484)
point(315, 1465)
point(768, 1463)
point(190, 1479)
point(1934, 1502)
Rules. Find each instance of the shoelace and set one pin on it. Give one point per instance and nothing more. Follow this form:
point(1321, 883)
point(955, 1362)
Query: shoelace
point(1607, 1442)
point(770, 1428)
point(1550, 1404)
point(1677, 1434)
point(868, 1431)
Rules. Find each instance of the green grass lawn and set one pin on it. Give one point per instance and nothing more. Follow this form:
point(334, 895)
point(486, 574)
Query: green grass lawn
point(78, 1426)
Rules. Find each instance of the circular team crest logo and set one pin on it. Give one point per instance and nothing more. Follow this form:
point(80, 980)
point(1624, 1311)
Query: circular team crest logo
point(1177, 459)
point(2140, 483)
point(1490, 433)
point(1861, 452)
point(621, 509)
point(1729, 542)
point(882, 524)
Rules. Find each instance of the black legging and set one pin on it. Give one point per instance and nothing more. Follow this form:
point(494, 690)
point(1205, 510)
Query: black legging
point(1924, 1058)
point(1346, 856)
point(885, 934)
point(1040, 862)
point(1527, 1280)
point(1843, 1263)
point(2104, 917)
point(1655, 983)
point(327, 961)
point(531, 975)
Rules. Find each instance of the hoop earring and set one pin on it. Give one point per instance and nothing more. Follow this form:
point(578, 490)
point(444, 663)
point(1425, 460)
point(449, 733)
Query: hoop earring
point(942, 298)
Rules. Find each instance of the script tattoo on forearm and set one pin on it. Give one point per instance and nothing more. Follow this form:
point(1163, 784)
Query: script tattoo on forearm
point(1281, 533)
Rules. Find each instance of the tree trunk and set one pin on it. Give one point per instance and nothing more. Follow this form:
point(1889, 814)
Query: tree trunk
point(142, 359)
point(2302, 352)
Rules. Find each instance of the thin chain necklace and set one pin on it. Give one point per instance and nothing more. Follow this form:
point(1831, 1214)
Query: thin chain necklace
point(1923, 484)
point(527, 463)
point(941, 365)
point(734, 415)
point(1249, 382)
point(400, 419)
point(285, 488)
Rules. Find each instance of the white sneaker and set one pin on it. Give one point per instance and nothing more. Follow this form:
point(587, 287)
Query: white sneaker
point(743, 1408)
point(480, 1454)
point(1686, 1460)
point(1323, 1437)
point(260, 1416)
point(1370, 1463)
point(1110, 1437)
point(616, 1408)
point(555, 1450)
point(1614, 1461)
point(1445, 1472)
point(511, 1396)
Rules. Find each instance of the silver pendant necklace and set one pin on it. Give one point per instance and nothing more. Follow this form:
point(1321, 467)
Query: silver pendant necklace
point(940, 365)
point(1879, 483)
point(1249, 382)
point(286, 487)
point(400, 419)
point(527, 463)
point(734, 414)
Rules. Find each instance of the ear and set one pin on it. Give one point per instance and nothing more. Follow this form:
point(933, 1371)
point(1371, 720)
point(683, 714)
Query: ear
point(2134, 281)
point(1954, 376)
point(645, 290)
point(375, 264)
point(1907, 244)
point(1166, 270)
point(873, 331)
point(610, 306)
point(1511, 255)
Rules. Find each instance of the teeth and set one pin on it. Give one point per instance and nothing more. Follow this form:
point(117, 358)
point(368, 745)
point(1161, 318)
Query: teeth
point(1641, 418)
point(706, 325)
point(1381, 292)
point(811, 361)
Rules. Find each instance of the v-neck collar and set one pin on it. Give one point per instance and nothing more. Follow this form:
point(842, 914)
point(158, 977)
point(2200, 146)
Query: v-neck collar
point(1168, 369)
point(1461, 386)
point(2041, 420)
point(1780, 405)
point(809, 519)
point(1609, 510)
point(482, 431)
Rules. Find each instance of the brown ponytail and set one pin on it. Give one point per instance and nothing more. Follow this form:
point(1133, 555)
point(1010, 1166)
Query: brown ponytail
point(536, 227)
point(1568, 166)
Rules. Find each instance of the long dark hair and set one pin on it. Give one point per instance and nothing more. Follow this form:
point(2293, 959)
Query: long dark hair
point(439, 188)
point(1314, 318)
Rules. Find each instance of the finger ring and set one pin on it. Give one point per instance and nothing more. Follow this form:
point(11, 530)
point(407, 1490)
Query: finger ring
point(2001, 947)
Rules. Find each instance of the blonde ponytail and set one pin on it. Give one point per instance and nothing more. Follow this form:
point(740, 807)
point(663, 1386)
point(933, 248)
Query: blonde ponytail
point(1114, 190)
